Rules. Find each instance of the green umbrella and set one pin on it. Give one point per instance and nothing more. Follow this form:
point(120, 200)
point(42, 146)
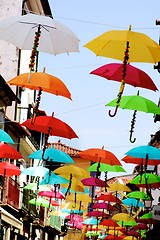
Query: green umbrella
point(106, 168)
point(127, 223)
point(146, 180)
point(136, 103)
point(33, 187)
point(148, 215)
point(138, 195)
point(41, 202)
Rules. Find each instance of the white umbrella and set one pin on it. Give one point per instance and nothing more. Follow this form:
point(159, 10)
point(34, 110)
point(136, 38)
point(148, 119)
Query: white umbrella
point(54, 37)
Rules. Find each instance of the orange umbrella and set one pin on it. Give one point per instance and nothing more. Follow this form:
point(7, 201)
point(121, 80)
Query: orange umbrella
point(140, 161)
point(8, 169)
point(7, 151)
point(41, 81)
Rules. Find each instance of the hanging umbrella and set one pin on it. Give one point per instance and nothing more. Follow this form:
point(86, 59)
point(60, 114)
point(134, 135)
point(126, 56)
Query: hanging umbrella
point(134, 76)
point(51, 179)
point(140, 226)
point(130, 238)
point(130, 223)
point(91, 221)
point(116, 186)
point(132, 202)
point(8, 169)
point(97, 214)
point(146, 180)
point(139, 195)
point(127, 46)
point(141, 161)
point(146, 218)
point(4, 137)
point(133, 233)
point(72, 169)
point(93, 181)
point(109, 197)
point(106, 168)
point(38, 171)
point(113, 237)
point(122, 217)
point(136, 103)
point(33, 186)
point(41, 202)
point(103, 205)
point(81, 197)
point(7, 151)
point(52, 155)
point(41, 81)
point(109, 223)
point(51, 194)
point(54, 37)
point(51, 126)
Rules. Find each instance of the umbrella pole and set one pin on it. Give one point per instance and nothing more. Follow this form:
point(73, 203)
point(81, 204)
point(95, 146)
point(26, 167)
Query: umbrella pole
point(119, 96)
point(133, 121)
point(35, 109)
point(69, 186)
point(105, 177)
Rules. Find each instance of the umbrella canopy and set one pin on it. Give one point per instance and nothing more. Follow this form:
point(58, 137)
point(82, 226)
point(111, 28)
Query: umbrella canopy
point(146, 180)
point(109, 223)
point(100, 155)
point(97, 213)
point(8, 169)
point(51, 179)
point(41, 80)
point(50, 125)
point(82, 197)
point(106, 168)
point(52, 154)
point(132, 202)
point(4, 137)
point(55, 38)
point(122, 217)
point(41, 202)
point(115, 187)
point(51, 194)
point(113, 43)
point(7, 151)
point(72, 169)
point(38, 171)
point(91, 221)
point(140, 226)
point(104, 205)
point(33, 186)
point(109, 197)
point(144, 151)
point(93, 181)
point(139, 195)
point(141, 161)
point(134, 76)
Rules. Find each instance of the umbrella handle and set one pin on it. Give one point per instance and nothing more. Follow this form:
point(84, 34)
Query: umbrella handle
point(114, 114)
point(133, 121)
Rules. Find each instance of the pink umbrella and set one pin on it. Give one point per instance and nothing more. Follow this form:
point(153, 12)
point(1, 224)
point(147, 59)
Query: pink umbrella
point(51, 194)
point(104, 205)
point(93, 181)
point(97, 214)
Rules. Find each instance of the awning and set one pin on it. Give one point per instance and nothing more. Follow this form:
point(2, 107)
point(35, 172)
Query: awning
point(9, 218)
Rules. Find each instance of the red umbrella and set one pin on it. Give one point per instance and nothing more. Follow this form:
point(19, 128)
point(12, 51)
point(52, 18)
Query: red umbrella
point(8, 169)
point(140, 161)
point(97, 214)
point(104, 205)
point(51, 126)
point(93, 181)
point(100, 155)
point(109, 197)
point(54, 203)
point(133, 233)
point(140, 226)
point(7, 151)
point(134, 76)
point(113, 237)
point(51, 194)
point(109, 223)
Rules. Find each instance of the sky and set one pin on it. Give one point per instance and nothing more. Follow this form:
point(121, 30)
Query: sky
point(87, 113)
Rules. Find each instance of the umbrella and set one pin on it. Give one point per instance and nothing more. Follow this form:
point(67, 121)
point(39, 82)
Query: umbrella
point(91, 221)
point(140, 226)
point(134, 76)
point(97, 213)
point(141, 161)
point(4, 137)
point(127, 46)
point(103, 205)
point(93, 181)
point(139, 195)
point(41, 202)
point(7, 151)
point(146, 180)
point(116, 186)
point(72, 169)
point(52, 179)
point(55, 38)
point(130, 238)
point(41, 81)
point(38, 171)
point(51, 126)
point(129, 223)
point(109, 223)
point(8, 169)
point(52, 194)
point(122, 217)
point(136, 103)
point(81, 197)
point(113, 237)
point(132, 202)
point(33, 186)
point(106, 168)
point(52, 155)
point(109, 197)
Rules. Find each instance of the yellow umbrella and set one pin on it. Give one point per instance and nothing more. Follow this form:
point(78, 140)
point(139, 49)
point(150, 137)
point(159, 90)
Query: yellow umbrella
point(123, 217)
point(72, 170)
point(115, 187)
point(79, 198)
point(112, 44)
point(130, 238)
point(76, 185)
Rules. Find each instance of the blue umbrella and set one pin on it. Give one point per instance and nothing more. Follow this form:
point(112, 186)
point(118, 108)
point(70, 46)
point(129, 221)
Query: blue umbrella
point(132, 202)
point(4, 137)
point(51, 179)
point(38, 171)
point(52, 154)
point(145, 152)
point(91, 221)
